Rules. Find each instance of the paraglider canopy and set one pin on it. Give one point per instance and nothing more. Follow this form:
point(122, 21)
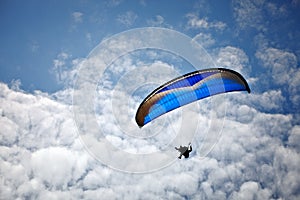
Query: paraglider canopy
point(187, 89)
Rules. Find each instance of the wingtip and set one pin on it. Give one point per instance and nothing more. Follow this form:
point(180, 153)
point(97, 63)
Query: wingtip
point(248, 89)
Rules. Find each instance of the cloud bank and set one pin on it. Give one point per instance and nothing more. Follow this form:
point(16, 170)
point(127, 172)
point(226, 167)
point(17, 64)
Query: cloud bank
point(256, 157)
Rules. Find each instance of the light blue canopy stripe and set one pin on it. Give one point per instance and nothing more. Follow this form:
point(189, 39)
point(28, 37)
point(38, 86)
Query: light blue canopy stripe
point(188, 80)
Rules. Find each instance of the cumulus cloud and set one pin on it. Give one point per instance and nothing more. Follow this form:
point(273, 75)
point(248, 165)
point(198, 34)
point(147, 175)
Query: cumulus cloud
point(62, 167)
point(233, 58)
point(294, 138)
point(42, 157)
point(268, 101)
point(53, 164)
point(38, 145)
point(205, 40)
point(280, 63)
point(251, 190)
point(282, 67)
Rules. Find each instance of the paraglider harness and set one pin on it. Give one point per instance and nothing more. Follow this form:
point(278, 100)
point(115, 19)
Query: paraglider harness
point(184, 150)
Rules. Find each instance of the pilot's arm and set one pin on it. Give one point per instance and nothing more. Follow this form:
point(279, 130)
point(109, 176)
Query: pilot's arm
point(190, 148)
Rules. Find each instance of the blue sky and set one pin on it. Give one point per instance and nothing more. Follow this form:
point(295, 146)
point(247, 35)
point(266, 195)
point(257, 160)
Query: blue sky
point(38, 31)
point(245, 146)
point(35, 32)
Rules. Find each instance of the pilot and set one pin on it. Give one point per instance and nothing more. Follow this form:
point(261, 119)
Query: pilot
point(184, 150)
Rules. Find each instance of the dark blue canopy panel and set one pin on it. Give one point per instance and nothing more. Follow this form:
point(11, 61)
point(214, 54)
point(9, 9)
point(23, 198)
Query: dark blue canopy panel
point(189, 88)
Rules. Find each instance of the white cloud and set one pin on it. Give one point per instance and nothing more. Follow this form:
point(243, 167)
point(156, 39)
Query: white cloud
point(280, 63)
point(60, 61)
point(205, 40)
point(127, 18)
point(194, 22)
point(100, 193)
point(282, 67)
point(294, 138)
point(77, 17)
point(64, 68)
point(62, 167)
point(251, 190)
point(288, 182)
point(8, 132)
point(63, 171)
point(257, 14)
point(233, 58)
point(15, 84)
point(249, 14)
point(294, 89)
point(157, 21)
point(41, 155)
point(267, 101)
point(276, 10)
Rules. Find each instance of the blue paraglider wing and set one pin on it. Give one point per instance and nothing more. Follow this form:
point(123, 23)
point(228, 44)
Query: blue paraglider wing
point(189, 88)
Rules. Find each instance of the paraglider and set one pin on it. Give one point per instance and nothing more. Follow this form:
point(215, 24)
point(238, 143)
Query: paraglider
point(184, 151)
point(187, 89)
